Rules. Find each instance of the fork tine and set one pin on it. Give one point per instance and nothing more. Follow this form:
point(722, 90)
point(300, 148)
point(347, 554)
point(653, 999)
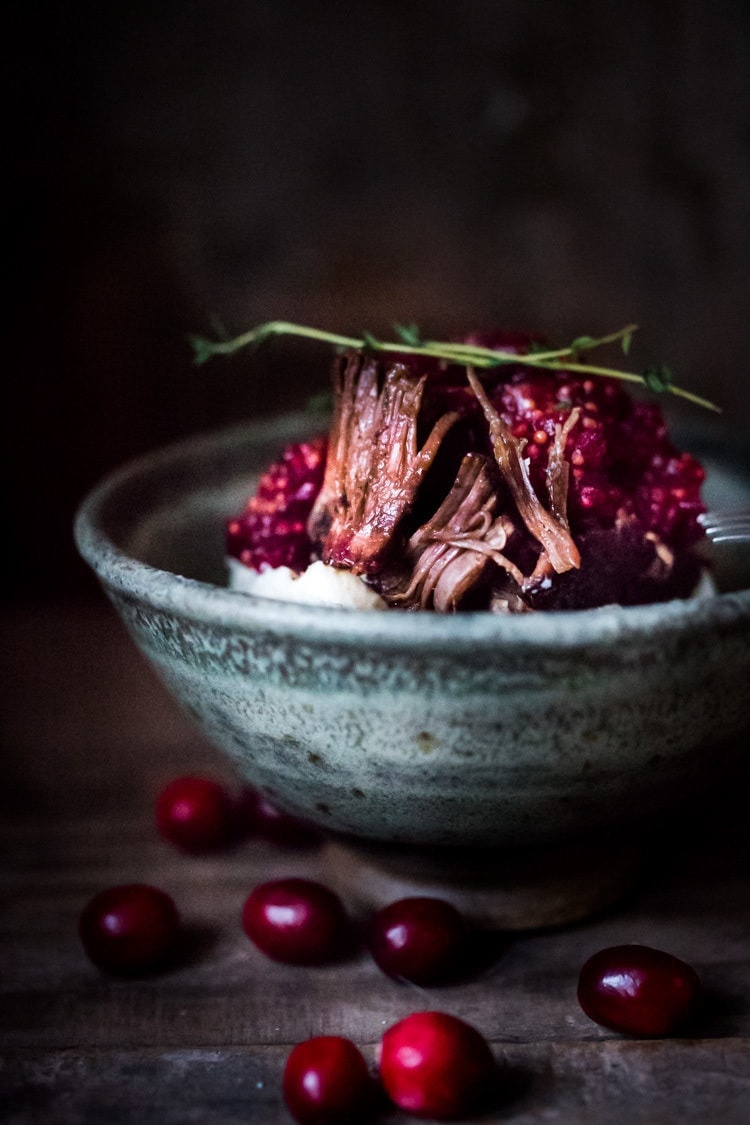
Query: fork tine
point(717, 519)
point(717, 516)
point(738, 535)
point(727, 527)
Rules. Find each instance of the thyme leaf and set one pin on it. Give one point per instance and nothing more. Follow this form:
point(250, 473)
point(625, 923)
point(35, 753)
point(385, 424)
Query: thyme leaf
point(203, 349)
point(582, 344)
point(408, 334)
point(658, 379)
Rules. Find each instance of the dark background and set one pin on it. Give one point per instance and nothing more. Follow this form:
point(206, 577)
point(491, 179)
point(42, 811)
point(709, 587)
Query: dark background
point(566, 167)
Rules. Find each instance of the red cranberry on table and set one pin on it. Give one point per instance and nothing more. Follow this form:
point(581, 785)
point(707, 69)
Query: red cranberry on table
point(435, 1065)
point(130, 929)
point(326, 1082)
point(257, 816)
point(297, 921)
point(419, 939)
point(196, 814)
point(638, 990)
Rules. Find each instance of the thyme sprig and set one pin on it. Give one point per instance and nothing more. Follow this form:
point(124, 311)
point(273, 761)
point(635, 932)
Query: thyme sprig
point(569, 358)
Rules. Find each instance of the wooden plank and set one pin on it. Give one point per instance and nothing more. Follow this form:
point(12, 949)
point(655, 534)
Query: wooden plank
point(627, 1083)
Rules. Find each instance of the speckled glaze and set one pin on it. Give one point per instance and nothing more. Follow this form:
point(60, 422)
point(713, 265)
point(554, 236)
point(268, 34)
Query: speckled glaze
point(472, 729)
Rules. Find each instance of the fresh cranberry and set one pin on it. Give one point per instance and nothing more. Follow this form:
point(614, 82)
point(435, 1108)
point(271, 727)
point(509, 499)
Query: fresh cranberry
point(326, 1081)
point(435, 1065)
point(418, 939)
point(297, 921)
point(129, 929)
point(636, 989)
point(258, 816)
point(197, 814)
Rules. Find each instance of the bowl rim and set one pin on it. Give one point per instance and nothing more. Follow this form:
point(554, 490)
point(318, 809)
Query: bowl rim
point(125, 575)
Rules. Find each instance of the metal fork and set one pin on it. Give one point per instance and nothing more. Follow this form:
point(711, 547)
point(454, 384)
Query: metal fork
point(727, 527)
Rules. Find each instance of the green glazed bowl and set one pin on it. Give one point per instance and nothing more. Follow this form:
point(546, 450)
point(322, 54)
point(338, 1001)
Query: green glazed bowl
point(420, 729)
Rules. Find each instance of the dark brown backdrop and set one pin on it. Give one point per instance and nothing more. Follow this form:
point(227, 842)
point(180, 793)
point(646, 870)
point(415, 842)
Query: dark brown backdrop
point(562, 166)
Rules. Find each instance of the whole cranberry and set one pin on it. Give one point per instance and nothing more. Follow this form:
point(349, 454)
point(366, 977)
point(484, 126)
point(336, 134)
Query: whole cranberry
point(257, 816)
point(435, 1065)
point(418, 939)
point(129, 929)
point(297, 921)
point(326, 1081)
point(636, 989)
point(196, 814)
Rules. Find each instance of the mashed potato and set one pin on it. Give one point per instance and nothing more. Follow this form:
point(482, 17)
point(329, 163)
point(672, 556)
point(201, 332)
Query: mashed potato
point(318, 585)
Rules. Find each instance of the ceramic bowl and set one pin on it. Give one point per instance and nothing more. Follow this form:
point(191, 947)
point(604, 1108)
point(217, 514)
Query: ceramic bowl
point(419, 729)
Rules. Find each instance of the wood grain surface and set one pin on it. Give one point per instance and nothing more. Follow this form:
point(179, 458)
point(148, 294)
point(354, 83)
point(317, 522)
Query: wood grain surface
point(89, 736)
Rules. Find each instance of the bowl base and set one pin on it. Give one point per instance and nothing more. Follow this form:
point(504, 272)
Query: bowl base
point(537, 888)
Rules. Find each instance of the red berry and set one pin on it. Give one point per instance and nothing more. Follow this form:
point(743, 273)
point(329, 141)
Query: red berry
point(326, 1081)
point(636, 989)
point(196, 814)
point(418, 939)
point(258, 816)
point(129, 929)
point(435, 1065)
point(297, 921)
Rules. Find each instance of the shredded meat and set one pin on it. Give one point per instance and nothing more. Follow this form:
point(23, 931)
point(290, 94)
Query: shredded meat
point(663, 563)
point(550, 528)
point(374, 467)
point(558, 470)
point(450, 553)
point(373, 473)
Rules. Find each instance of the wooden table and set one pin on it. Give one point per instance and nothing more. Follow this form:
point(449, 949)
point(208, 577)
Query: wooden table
point(89, 736)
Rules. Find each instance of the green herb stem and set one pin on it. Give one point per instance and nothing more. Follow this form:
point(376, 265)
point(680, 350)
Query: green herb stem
point(630, 377)
point(541, 357)
point(456, 353)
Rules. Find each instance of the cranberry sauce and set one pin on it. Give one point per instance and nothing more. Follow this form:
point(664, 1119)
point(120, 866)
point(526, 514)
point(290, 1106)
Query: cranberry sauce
point(272, 530)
